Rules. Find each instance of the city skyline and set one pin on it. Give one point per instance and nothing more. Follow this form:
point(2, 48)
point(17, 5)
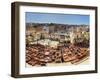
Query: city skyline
point(73, 19)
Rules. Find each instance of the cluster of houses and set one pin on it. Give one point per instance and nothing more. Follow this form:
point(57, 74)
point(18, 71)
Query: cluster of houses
point(58, 32)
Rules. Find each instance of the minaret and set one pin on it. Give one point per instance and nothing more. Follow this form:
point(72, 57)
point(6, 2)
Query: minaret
point(72, 36)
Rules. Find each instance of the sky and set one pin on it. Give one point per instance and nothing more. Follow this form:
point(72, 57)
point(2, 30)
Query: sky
point(32, 17)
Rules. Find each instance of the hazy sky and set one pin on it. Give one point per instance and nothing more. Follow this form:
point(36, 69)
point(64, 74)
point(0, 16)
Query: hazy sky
point(56, 18)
